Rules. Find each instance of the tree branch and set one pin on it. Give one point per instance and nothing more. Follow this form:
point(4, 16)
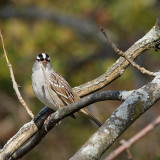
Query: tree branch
point(24, 134)
point(117, 69)
point(122, 54)
point(134, 139)
point(135, 104)
point(36, 125)
point(133, 107)
point(15, 86)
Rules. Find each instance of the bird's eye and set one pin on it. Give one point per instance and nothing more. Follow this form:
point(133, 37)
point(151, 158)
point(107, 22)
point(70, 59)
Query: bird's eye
point(47, 59)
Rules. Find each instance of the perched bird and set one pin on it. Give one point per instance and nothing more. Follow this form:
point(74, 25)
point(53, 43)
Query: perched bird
point(52, 89)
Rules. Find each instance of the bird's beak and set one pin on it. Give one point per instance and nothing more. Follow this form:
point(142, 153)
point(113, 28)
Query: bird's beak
point(44, 62)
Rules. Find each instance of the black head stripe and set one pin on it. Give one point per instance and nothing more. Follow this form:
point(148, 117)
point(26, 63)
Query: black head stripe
point(43, 56)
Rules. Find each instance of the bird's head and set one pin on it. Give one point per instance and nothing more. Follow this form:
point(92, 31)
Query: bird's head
point(43, 58)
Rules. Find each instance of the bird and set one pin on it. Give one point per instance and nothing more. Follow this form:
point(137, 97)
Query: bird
point(52, 89)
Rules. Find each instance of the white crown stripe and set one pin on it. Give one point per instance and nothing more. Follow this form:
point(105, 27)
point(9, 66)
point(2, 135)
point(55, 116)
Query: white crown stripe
point(43, 56)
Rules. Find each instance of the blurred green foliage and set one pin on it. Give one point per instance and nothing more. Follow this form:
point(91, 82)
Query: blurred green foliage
point(76, 55)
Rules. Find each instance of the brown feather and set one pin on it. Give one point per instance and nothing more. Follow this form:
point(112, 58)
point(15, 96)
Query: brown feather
point(65, 93)
point(62, 88)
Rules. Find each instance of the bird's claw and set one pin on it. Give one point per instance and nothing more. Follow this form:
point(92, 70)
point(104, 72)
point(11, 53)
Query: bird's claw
point(47, 122)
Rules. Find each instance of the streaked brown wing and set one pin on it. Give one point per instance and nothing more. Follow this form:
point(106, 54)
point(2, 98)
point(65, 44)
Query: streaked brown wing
point(62, 88)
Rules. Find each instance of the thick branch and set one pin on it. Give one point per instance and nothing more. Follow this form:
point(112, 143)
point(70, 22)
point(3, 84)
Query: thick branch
point(24, 134)
point(136, 103)
point(34, 141)
point(134, 106)
point(28, 130)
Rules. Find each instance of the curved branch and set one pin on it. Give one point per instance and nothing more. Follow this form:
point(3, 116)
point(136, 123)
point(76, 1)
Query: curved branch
point(24, 134)
point(36, 125)
point(133, 107)
point(117, 69)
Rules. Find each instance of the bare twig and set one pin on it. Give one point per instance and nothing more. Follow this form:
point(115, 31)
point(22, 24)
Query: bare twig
point(15, 86)
point(117, 69)
point(122, 54)
point(129, 155)
point(134, 139)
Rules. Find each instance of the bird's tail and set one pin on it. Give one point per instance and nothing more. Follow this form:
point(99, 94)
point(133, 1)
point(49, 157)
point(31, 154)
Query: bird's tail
point(86, 113)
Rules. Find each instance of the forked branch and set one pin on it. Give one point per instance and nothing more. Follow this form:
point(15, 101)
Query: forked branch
point(122, 54)
point(150, 40)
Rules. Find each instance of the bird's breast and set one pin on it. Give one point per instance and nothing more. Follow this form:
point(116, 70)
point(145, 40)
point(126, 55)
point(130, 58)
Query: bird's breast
point(45, 94)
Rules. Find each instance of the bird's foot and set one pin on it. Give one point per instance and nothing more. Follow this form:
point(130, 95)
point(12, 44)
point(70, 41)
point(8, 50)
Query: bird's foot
point(49, 123)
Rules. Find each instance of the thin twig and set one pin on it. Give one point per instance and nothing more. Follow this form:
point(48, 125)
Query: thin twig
point(134, 139)
point(15, 86)
point(129, 155)
point(122, 54)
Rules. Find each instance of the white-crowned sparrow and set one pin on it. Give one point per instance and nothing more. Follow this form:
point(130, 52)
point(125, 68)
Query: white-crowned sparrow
point(51, 88)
